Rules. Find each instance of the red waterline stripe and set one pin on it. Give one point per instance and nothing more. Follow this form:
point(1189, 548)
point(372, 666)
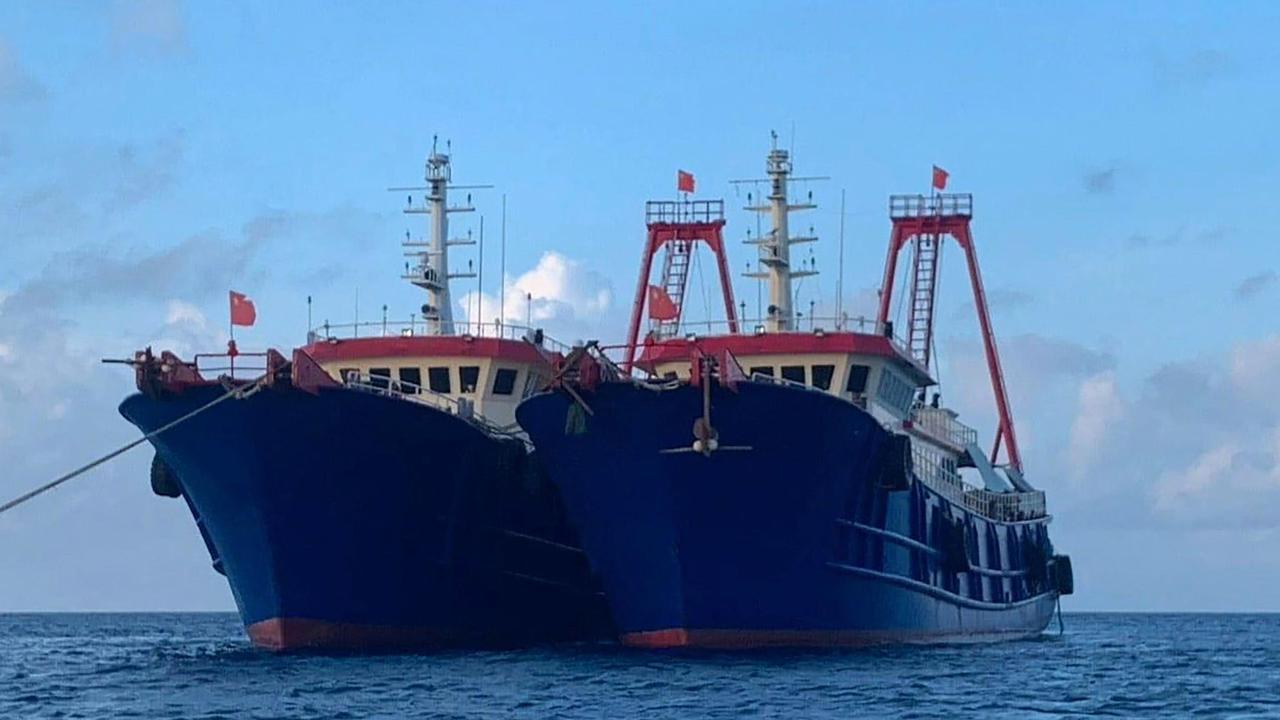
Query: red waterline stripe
point(280, 634)
point(743, 639)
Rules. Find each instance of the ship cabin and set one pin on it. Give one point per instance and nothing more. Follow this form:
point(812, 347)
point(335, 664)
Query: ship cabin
point(482, 375)
point(876, 373)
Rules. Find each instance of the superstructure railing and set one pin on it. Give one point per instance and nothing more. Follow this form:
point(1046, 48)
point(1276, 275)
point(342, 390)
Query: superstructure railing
point(815, 324)
point(942, 425)
point(412, 392)
point(416, 328)
point(1004, 507)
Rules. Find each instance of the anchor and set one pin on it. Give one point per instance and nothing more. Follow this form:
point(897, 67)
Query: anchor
point(706, 437)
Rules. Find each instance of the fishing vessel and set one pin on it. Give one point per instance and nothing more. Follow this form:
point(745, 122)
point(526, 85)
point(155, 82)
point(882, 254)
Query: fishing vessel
point(371, 490)
point(788, 481)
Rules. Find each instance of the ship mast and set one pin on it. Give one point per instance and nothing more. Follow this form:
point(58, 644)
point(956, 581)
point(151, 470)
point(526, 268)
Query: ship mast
point(775, 247)
point(431, 272)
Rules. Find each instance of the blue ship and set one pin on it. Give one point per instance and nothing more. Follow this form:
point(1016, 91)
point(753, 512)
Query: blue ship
point(789, 485)
point(374, 493)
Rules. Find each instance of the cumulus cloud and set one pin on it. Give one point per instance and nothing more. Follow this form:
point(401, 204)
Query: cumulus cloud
point(558, 294)
point(186, 331)
point(1256, 284)
point(1098, 409)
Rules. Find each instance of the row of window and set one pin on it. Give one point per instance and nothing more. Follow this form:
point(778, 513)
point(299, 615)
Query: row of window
point(440, 379)
point(820, 375)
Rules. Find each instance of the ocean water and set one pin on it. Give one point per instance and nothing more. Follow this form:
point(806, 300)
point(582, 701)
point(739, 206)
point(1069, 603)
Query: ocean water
point(200, 666)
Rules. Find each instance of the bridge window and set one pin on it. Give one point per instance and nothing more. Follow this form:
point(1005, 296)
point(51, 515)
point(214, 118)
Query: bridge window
point(346, 374)
point(762, 370)
point(380, 377)
point(894, 392)
point(532, 383)
point(412, 376)
point(857, 379)
point(822, 376)
point(794, 373)
point(504, 381)
point(438, 379)
point(468, 378)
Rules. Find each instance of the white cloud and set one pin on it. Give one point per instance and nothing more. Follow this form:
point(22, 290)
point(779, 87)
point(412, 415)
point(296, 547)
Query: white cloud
point(1098, 409)
point(1256, 365)
point(187, 331)
point(558, 294)
point(1233, 484)
point(185, 313)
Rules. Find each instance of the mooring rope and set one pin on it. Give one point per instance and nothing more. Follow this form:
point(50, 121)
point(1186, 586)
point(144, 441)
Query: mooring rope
point(242, 391)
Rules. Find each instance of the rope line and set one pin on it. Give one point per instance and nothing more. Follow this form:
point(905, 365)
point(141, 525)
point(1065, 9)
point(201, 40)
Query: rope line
point(234, 392)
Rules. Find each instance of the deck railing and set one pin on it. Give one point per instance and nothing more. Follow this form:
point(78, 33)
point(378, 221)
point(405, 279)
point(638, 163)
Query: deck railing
point(940, 424)
point(1005, 507)
point(241, 365)
point(411, 392)
point(817, 324)
point(378, 328)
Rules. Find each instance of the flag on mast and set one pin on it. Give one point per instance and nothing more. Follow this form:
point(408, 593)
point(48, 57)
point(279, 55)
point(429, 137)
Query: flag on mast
point(242, 309)
point(684, 181)
point(940, 178)
point(661, 306)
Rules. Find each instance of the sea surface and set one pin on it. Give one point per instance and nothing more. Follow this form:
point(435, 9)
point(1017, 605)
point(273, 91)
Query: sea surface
point(201, 666)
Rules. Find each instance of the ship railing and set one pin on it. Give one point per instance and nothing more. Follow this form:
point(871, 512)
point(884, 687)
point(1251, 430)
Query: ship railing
point(239, 365)
point(683, 211)
point(759, 326)
point(389, 328)
point(412, 392)
point(940, 205)
point(766, 378)
point(942, 425)
point(1004, 507)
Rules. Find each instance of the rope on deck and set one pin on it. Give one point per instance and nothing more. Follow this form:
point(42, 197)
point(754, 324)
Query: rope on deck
point(238, 392)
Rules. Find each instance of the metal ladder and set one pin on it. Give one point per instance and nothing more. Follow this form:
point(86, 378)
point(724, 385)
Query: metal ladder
point(920, 323)
point(675, 276)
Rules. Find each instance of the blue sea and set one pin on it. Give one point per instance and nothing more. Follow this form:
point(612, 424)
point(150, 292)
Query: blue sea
point(200, 666)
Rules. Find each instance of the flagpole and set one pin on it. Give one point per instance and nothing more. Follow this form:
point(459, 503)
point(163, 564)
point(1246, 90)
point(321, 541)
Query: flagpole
point(231, 331)
point(502, 267)
point(840, 270)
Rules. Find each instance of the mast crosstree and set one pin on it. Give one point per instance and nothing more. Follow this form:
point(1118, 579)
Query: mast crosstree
point(431, 270)
point(775, 247)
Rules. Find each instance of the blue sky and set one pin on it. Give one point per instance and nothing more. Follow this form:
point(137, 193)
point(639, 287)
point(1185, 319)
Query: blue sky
point(1123, 159)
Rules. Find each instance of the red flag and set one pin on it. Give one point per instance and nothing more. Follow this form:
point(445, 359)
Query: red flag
point(242, 310)
point(684, 181)
point(940, 178)
point(661, 306)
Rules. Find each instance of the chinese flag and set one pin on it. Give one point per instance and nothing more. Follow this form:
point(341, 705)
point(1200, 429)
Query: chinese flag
point(242, 310)
point(661, 306)
point(940, 178)
point(684, 181)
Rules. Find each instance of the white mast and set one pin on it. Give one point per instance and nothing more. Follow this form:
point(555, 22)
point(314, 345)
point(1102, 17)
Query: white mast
point(775, 247)
point(432, 270)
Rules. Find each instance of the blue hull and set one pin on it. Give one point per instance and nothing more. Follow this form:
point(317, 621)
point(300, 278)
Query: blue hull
point(351, 520)
point(790, 540)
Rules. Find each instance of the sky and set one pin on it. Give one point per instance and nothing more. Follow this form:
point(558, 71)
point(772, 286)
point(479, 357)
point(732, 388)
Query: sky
point(1123, 160)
